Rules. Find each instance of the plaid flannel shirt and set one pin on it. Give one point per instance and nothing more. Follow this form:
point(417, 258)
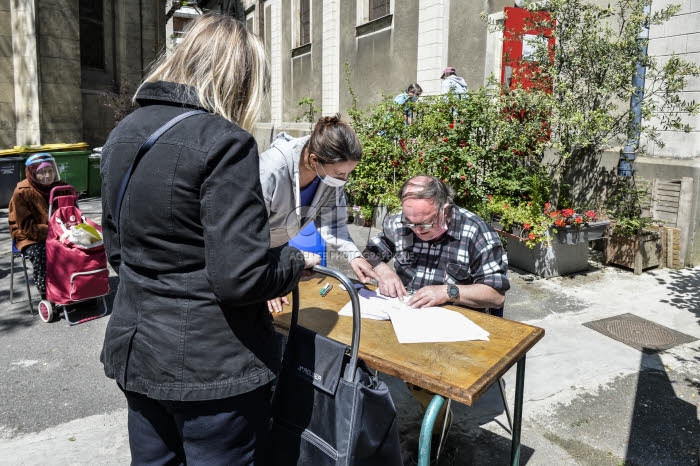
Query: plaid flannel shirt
point(469, 252)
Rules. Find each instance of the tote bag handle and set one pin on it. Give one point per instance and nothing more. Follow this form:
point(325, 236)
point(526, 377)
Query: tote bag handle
point(139, 155)
point(356, 317)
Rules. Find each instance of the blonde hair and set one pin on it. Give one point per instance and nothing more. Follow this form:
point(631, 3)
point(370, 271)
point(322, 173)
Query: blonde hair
point(224, 63)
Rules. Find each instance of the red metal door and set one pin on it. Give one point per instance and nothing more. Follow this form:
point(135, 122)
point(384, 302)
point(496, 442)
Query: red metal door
point(523, 29)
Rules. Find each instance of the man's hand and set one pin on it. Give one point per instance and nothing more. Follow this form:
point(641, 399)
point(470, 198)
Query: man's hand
point(389, 283)
point(275, 305)
point(363, 270)
point(429, 296)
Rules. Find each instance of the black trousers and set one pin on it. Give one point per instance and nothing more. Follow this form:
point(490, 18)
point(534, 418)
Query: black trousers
point(36, 253)
point(230, 431)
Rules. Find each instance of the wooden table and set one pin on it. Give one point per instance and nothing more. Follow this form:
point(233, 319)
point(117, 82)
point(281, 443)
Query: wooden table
point(461, 371)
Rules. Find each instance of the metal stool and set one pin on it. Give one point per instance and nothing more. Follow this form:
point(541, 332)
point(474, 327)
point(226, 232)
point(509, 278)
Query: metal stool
point(17, 253)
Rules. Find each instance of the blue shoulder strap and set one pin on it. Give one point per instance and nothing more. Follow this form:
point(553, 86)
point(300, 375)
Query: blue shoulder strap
point(139, 155)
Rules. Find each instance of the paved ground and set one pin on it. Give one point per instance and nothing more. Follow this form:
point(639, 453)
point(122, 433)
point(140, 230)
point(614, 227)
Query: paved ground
point(589, 399)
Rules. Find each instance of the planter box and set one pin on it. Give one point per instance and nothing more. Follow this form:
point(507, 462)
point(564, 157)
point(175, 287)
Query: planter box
point(582, 234)
point(635, 252)
point(496, 222)
point(545, 260)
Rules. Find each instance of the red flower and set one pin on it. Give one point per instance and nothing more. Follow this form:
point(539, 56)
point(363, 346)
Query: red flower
point(505, 206)
point(421, 153)
point(444, 139)
point(452, 126)
point(470, 165)
point(531, 236)
point(420, 159)
point(590, 214)
point(560, 222)
point(547, 206)
point(554, 214)
point(489, 196)
point(526, 226)
point(463, 177)
point(447, 159)
point(579, 220)
point(568, 212)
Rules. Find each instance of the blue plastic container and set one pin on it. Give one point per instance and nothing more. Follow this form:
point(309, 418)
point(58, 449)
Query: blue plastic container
point(310, 240)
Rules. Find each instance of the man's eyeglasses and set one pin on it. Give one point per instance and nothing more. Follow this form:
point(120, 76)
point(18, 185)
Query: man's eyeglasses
point(422, 226)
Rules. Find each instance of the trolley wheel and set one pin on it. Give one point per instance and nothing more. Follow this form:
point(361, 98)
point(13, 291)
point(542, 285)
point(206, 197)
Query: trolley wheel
point(45, 310)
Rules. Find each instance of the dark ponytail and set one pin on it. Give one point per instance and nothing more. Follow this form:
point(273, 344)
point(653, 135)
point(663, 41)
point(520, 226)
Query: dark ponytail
point(334, 141)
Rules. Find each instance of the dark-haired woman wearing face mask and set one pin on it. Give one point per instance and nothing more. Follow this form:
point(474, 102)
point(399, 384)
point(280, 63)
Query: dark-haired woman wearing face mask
point(28, 213)
point(302, 181)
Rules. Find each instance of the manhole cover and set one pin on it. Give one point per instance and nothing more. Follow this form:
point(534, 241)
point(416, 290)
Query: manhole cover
point(639, 333)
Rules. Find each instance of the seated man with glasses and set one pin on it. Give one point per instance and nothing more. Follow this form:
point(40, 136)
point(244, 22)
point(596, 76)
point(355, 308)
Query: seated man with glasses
point(442, 254)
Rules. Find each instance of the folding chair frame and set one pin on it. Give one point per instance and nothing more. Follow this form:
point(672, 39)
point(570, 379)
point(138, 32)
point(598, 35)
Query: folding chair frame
point(17, 253)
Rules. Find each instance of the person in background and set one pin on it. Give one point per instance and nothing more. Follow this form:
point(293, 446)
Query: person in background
point(452, 83)
point(443, 254)
point(190, 341)
point(410, 95)
point(28, 213)
point(302, 181)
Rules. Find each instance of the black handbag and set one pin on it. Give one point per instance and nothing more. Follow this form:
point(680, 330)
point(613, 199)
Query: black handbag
point(328, 407)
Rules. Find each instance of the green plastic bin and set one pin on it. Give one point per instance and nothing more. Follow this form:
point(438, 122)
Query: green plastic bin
point(11, 171)
point(94, 178)
point(73, 168)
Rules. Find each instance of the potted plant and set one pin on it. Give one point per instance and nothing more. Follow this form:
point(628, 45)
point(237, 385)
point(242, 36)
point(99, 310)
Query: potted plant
point(635, 241)
point(572, 228)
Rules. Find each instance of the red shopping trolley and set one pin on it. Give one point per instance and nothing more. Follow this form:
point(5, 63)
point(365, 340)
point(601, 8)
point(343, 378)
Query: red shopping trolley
point(76, 263)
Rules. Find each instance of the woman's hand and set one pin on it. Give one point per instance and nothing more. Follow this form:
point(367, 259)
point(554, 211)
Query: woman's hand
point(275, 305)
point(363, 270)
point(310, 259)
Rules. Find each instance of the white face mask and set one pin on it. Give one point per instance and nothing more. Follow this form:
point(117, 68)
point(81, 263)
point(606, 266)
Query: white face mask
point(329, 180)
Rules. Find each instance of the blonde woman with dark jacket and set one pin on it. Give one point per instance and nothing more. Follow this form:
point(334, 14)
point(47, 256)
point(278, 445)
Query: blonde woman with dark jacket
point(190, 340)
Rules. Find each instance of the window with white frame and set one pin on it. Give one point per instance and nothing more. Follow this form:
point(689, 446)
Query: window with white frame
point(370, 10)
point(250, 22)
point(301, 23)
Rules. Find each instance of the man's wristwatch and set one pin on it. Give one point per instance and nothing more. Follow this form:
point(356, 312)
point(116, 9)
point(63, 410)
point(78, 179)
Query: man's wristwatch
point(453, 293)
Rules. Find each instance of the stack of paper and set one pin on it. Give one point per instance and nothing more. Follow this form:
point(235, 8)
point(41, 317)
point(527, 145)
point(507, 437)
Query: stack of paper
point(372, 305)
point(428, 324)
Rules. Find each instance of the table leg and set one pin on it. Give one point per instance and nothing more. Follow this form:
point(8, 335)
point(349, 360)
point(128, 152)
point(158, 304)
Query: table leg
point(426, 430)
point(518, 412)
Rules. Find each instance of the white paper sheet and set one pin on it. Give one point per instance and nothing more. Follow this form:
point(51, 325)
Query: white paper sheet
point(434, 324)
point(372, 305)
point(425, 325)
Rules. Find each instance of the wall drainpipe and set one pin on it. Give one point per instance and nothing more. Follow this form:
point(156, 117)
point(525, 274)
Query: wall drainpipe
point(629, 151)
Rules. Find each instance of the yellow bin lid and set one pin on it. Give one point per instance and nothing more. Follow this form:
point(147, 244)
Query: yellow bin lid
point(9, 152)
point(50, 147)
